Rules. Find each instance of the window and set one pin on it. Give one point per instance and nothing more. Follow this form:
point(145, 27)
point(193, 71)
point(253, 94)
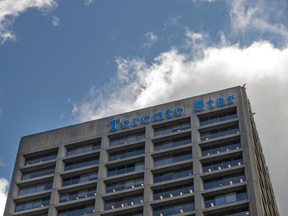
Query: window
point(172, 159)
point(237, 213)
point(171, 129)
point(216, 149)
point(173, 175)
point(40, 158)
point(174, 209)
point(172, 143)
point(32, 204)
point(78, 195)
point(222, 181)
point(35, 188)
point(82, 210)
point(218, 118)
point(174, 191)
point(127, 139)
point(222, 164)
point(82, 149)
point(79, 179)
point(124, 185)
point(134, 214)
point(225, 199)
point(126, 153)
point(38, 173)
point(219, 133)
point(125, 169)
point(82, 163)
point(123, 202)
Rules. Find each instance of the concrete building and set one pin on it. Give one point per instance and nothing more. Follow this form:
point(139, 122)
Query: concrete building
point(198, 156)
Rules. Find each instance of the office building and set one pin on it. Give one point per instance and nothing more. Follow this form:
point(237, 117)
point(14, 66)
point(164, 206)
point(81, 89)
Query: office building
point(198, 156)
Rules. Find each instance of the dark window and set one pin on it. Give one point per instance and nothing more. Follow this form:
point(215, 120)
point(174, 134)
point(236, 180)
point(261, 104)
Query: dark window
point(79, 179)
point(171, 129)
point(223, 181)
point(123, 202)
point(218, 118)
point(174, 191)
point(35, 188)
point(40, 158)
point(173, 209)
point(82, 163)
point(82, 149)
point(173, 175)
point(219, 132)
point(127, 139)
point(38, 173)
point(225, 199)
point(172, 143)
point(124, 185)
point(236, 213)
point(125, 169)
point(218, 165)
point(78, 195)
point(83, 210)
point(32, 204)
point(127, 153)
point(172, 159)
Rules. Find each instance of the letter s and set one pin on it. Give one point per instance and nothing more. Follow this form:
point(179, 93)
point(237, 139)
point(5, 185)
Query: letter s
point(198, 105)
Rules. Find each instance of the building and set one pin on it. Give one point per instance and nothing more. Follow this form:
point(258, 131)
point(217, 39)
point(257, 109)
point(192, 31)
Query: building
point(198, 156)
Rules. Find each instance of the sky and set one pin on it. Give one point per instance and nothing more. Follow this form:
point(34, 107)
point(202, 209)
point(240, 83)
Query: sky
point(66, 62)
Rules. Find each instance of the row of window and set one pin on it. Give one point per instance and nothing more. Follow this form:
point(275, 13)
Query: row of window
point(224, 199)
point(172, 143)
point(219, 133)
point(125, 169)
point(127, 139)
point(126, 153)
point(227, 180)
point(218, 118)
point(172, 159)
point(123, 202)
point(173, 175)
point(32, 204)
point(86, 148)
point(35, 188)
point(38, 173)
point(124, 185)
point(216, 149)
point(40, 158)
point(237, 213)
point(174, 209)
point(174, 191)
point(79, 179)
point(83, 210)
point(82, 163)
point(78, 195)
point(171, 129)
point(222, 164)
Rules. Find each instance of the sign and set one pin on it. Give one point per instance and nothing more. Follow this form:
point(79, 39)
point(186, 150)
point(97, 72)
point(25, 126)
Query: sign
point(198, 106)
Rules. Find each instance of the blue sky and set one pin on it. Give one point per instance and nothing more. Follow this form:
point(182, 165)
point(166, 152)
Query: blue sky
point(65, 62)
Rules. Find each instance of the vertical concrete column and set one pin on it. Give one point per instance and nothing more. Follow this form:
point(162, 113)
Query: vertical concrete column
point(102, 173)
point(196, 165)
point(251, 175)
point(57, 181)
point(148, 177)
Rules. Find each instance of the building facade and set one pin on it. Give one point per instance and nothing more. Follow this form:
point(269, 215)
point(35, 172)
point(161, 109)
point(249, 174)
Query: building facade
point(198, 156)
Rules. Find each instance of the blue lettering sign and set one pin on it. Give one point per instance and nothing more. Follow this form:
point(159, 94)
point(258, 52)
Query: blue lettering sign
point(198, 105)
point(113, 122)
point(125, 124)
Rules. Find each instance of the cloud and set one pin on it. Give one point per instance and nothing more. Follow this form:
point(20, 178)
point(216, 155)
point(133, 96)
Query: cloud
point(10, 10)
point(151, 39)
point(88, 2)
point(3, 194)
point(56, 21)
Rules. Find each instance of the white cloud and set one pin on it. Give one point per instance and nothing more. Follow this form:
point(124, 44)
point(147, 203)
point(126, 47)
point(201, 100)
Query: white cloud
point(151, 39)
point(3, 194)
point(174, 76)
point(10, 10)
point(55, 21)
point(88, 2)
